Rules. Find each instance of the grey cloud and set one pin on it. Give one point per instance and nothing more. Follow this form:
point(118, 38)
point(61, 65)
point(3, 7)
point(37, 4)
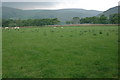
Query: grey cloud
point(30, 5)
point(30, 0)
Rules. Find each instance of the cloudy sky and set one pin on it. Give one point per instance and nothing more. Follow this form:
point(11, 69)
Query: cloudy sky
point(100, 5)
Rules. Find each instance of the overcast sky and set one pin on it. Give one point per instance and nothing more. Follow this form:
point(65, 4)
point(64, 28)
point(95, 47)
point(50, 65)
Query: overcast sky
point(100, 5)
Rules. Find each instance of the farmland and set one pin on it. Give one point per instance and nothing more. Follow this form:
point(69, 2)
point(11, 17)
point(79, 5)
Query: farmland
point(69, 52)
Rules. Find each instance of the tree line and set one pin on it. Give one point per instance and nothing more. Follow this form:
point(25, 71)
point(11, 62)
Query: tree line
point(112, 19)
point(29, 22)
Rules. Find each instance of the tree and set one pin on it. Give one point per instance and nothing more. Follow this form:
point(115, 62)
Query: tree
point(5, 23)
point(19, 22)
point(69, 22)
point(103, 19)
point(94, 20)
point(114, 18)
point(29, 22)
point(12, 25)
point(56, 21)
point(76, 20)
point(86, 20)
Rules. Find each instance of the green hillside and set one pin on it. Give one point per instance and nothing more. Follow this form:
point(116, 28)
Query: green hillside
point(110, 11)
point(8, 12)
point(62, 14)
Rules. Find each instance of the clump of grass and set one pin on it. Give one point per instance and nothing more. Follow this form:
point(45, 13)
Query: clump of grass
point(89, 30)
point(96, 62)
point(71, 35)
point(52, 31)
point(81, 33)
point(118, 40)
point(113, 30)
point(85, 31)
point(61, 36)
point(37, 30)
point(93, 30)
point(94, 34)
point(21, 67)
point(22, 31)
point(77, 75)
point(116, 33)
point(107, 34)
point(100, 32)
point(103, 68)
point(45, 34)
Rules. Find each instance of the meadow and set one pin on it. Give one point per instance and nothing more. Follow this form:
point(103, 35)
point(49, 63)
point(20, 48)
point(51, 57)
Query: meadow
point(68, 52)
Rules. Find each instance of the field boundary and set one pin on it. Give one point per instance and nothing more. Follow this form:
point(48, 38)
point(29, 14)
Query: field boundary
point(87, 25)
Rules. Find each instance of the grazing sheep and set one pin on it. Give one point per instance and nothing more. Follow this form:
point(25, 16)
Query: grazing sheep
point(16, 28)
point(61, 27)
point(55, 27)
point(6, 27)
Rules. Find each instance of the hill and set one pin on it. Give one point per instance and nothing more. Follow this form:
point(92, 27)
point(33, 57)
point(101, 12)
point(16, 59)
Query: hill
point(8, 12)
point(61, 14)
point(110, 11)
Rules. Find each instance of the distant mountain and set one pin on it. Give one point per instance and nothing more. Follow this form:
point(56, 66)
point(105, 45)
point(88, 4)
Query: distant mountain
point(61, 14)
point(8, 12)
point(110, 11)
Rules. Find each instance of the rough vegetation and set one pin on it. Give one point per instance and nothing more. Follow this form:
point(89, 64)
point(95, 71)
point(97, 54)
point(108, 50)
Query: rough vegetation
point(68, 52)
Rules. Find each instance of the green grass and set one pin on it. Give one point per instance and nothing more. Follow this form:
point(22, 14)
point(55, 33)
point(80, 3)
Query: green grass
point(71, 52)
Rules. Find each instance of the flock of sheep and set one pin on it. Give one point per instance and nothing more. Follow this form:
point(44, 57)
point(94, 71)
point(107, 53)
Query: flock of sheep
point(56, 27)
point(17, 28)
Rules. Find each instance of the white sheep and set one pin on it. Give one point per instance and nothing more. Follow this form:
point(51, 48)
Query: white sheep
point(55, 27)
point(61, 27)
point(16, 28)
point(6, 27)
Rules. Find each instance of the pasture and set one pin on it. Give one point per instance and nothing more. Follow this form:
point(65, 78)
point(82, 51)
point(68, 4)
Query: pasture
point(68, 52)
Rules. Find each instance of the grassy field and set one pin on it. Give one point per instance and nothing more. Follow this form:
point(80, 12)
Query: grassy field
point(69, 52)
